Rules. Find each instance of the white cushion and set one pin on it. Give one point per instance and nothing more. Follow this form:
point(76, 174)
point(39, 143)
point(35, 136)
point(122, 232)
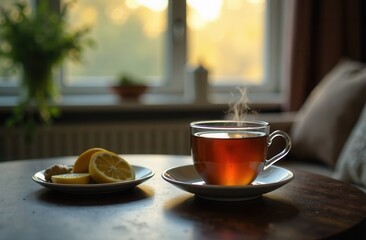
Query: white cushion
point(351, 165)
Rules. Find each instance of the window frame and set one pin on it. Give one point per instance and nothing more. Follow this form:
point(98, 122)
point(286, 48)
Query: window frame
point(176, 42)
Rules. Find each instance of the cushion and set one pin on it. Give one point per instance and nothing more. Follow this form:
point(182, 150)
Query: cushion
point(351, 165)
point(327, 117)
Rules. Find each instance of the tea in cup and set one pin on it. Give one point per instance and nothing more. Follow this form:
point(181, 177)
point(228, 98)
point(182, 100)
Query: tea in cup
point(233, 153)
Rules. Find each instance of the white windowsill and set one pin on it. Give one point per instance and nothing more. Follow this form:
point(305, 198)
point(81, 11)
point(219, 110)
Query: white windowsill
point(152, 101)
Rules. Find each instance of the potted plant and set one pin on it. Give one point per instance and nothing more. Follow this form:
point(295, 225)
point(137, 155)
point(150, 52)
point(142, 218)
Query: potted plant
point(36, 42)
point(129, 88)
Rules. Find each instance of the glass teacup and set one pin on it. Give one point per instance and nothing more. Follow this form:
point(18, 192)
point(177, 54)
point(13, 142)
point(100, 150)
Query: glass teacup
point(229, 152)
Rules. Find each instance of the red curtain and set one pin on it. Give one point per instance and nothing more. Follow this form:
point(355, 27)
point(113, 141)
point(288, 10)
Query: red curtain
point(319, 34)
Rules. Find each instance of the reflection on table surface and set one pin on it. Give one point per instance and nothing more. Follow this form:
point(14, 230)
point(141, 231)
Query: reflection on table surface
point(318, 206)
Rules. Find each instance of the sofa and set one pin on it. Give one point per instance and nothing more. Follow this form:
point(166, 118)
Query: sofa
point(329, 131)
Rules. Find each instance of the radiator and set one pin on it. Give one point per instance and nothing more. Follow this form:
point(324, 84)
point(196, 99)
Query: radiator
point(125, 138)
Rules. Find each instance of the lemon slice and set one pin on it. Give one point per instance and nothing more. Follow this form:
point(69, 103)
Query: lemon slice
point(71, 178)
point(108, 167)
point(81, 164)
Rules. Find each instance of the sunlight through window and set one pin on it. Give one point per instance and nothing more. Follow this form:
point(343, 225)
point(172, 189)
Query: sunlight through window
point(228, 38)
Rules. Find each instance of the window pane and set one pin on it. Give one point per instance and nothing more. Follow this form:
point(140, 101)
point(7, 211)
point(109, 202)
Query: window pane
point(228, 38)
point(130, 38)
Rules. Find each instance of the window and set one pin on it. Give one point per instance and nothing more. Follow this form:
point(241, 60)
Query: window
point(236, 40)
point(130, 38)
point(235, 54)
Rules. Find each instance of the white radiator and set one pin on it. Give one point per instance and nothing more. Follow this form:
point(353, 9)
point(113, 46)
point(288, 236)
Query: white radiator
point(124, 138)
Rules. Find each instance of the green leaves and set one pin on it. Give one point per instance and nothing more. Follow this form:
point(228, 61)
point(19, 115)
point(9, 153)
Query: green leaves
point(41, 35)
point(36, 42)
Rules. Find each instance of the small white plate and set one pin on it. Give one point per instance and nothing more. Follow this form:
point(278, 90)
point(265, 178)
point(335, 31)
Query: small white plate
point(142, 174)
point(187, 178)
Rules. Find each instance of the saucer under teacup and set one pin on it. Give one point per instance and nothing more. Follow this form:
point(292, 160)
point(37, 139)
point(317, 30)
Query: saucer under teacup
point(187, 179)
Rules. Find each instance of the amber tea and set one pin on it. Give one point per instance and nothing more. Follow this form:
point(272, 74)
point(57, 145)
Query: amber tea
point(229, 159)
point(232, 152)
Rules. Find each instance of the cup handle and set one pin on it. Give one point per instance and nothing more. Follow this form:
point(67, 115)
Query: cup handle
point(274, 134)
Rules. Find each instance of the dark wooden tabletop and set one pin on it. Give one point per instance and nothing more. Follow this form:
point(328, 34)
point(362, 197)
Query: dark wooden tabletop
point(309, 207)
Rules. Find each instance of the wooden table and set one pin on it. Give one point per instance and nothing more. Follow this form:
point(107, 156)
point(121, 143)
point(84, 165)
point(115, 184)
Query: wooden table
point(309, 207)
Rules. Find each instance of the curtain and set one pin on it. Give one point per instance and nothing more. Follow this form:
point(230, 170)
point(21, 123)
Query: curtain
point(319, 33)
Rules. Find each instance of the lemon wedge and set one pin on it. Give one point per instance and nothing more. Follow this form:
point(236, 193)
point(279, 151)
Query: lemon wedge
point(108, 167)
point(71, 178)
point(81, 164)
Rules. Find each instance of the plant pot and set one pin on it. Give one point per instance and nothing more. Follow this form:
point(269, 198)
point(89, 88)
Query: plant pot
point(133, 92)
point(38, 88)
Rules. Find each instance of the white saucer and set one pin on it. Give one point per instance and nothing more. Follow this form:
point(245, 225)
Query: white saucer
point(186, 178)
point(142, 174)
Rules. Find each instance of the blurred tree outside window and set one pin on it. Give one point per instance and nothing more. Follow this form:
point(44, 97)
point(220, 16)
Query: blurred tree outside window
point(130, 38)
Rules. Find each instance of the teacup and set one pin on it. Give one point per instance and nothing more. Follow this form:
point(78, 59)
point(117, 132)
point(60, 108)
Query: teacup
point(233, 153)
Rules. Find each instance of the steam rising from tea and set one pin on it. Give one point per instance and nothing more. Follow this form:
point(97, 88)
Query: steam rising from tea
point(240, 109)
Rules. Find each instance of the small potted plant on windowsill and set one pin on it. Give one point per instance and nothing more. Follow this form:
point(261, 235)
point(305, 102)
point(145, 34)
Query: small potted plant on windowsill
point(129, 88)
